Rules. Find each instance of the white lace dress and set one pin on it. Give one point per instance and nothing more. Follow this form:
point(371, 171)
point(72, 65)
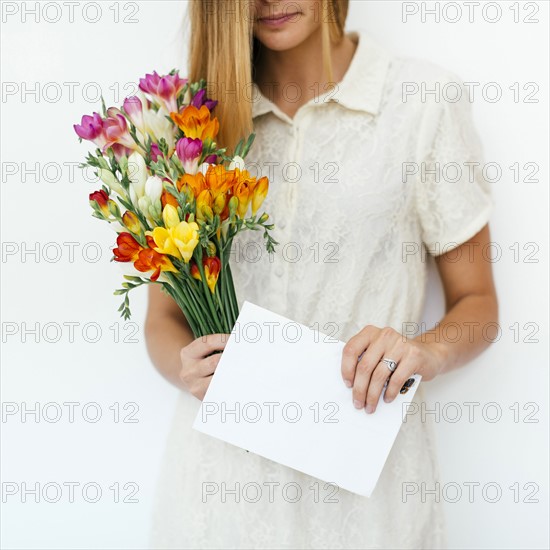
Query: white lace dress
point(355, 205)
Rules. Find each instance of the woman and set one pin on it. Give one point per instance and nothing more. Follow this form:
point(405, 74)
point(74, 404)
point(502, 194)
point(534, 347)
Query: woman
point(358, 194)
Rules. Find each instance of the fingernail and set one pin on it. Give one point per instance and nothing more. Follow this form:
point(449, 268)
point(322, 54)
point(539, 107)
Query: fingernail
point(347, 383)
point(358, 404)
point(387, 399)
point(370, 409)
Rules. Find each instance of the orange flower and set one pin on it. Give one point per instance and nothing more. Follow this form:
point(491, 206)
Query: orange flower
point(128, 248)
point(219, 180)
point(212, 266)
point(130, 220)
point(196, 123)
point(195, 182)
point(243, 190)
point(204, 205)
point(168, 198)
point(259, 194)
point(151, 260)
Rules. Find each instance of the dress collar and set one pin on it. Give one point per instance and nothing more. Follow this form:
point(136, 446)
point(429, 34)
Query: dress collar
point(361, 88)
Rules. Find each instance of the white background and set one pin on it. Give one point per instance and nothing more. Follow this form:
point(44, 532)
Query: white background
point(53, 287)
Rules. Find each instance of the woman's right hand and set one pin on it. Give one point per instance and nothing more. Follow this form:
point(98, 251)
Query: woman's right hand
point(199, 360)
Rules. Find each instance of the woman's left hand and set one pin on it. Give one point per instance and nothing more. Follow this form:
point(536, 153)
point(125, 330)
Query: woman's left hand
point(364, 370)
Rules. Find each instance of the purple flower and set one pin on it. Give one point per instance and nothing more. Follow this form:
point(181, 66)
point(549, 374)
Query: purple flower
point(189, 152)
point(211, 159)
point(200, 99)
point(91, 129)
point(155, 152)
point(165, 88)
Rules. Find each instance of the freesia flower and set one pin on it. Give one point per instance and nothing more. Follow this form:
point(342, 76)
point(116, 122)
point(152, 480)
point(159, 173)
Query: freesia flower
point(153, 188)
point(128, 248)
point(189, 152)
point(130, 220)
point(204, 205)
point(237, 162)
point(115, 129)
point(243, 189)
point(91, 129)
point(101, 199)
point(177, 239)
point(137, 174)
point(219, 180)
point(168, 198)
point(196, 123)
point(149, 122)
point(151, 260)
point(196, 183)
point(149, 204)
point(155, 152)
point(107, 177)
point(157, 125)
point(259, 194)
point(133, 108)
point(164, 88)
point(200, 99)
point(212, 267)
point(242, 192)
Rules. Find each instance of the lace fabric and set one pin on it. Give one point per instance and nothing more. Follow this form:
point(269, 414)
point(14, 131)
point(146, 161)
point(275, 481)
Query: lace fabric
point(354, 214)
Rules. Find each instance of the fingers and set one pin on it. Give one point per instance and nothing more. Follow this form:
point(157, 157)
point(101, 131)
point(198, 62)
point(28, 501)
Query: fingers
point(363, 368)
point(199, 361)
point(201, 347)
point(364, 372)
point(208, 365)
point(409, 365)
point(353, 350)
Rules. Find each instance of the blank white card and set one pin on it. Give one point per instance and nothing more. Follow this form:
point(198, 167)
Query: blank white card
point(278, 392)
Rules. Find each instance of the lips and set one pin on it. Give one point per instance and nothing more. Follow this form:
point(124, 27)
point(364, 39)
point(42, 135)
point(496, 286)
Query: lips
point(278, 19)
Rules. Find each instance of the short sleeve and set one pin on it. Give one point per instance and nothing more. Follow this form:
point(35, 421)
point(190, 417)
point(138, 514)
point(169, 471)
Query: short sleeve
point(453, 197)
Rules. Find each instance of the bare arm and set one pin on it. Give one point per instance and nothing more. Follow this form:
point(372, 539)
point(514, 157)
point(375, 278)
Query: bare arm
point(166, 333)
point(184, 361)
point(469, 325)
point(464, 332)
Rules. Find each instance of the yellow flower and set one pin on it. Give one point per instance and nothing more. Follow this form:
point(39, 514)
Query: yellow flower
point(179, 241)
point(186, 238)
point(259, 194)
point(130, 220)
point(170, 216)
point(165, 243)
point(204, 205)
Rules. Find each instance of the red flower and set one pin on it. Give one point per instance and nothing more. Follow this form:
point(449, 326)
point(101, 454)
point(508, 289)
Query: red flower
point(102, 200)
point(128, 248)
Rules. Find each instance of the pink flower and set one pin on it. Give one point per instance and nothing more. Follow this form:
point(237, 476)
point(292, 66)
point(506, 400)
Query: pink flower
point(165, 88)
point(134, 109)
point(115, 129)
point(121, 151)
point(91, 129)
point(189, 152)
point(155, 152)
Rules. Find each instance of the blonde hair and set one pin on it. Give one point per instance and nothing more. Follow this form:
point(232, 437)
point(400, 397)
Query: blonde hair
point(222, 51)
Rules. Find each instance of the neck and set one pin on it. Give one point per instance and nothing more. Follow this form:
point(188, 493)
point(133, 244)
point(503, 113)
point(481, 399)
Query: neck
point(301, 66)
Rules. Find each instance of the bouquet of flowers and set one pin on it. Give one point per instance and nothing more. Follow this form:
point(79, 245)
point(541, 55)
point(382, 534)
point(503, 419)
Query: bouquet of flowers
point(175, 199)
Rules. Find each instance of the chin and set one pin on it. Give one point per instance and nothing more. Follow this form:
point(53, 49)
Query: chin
point(280, 40)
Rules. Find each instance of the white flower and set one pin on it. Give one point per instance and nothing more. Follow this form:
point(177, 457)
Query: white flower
point(203, 168)
point(153, 188)
point(237, 162)
point(143, 204)
point(137, 174)
point(106, 176)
